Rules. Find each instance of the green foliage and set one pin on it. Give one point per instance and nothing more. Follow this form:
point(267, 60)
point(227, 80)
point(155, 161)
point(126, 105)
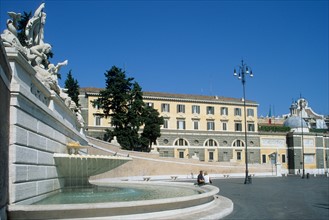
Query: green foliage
point(122, 100)
point(318, 130)
point(151, 131)
point(273, 128)
point(72, 87)
point(108, 136)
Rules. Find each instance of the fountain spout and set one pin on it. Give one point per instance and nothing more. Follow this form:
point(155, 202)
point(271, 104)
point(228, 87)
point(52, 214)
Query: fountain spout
point(74, 147)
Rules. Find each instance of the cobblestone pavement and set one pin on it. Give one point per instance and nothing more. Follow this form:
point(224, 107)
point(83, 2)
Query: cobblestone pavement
point(277, 197)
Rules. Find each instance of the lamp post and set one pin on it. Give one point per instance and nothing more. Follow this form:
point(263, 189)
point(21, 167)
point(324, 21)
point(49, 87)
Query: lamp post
point(244, 70)
point(302, 141)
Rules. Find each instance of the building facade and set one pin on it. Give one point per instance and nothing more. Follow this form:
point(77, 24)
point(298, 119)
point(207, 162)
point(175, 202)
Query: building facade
point(210, 129)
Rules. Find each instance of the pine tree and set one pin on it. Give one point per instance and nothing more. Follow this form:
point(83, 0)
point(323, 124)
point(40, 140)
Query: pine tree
point(151, 131)
point(114, 101)
point(122, 100)
point(72, 87)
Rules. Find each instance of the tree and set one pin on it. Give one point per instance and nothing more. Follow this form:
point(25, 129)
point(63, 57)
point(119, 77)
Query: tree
point(151, 131)
point(122, 100)
point(114, 102)
point(72, 87)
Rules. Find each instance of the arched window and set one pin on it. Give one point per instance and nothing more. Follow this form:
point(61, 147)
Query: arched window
point(238, 143)
point(211, 143)
point(181, 142)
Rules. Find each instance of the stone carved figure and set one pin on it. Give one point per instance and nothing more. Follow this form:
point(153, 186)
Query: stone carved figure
point(66, 98)
point(12, 24)
point(36, 53)
point(54, 70)
point(9, 35)
point(80, 120)
point(34, 29)
point(49, 76)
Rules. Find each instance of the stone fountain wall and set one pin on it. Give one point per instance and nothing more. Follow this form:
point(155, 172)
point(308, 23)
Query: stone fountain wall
point(40, 125)
point(5, 77)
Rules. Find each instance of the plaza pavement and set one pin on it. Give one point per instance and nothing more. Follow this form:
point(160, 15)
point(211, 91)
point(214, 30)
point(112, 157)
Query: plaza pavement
point(286, 198)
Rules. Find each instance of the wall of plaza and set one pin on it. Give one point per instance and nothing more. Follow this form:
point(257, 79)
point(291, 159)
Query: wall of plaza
point(40, 125)
point(203, 135)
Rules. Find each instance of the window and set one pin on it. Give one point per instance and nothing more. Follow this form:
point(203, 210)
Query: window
point(211, 143)
point(98, 120)
point(238, 126)
point(181, 124)
point(180, 108)
point(251, 127)
point(211, 155)
point(210, 125)
point(150, 104)
point(181, 142)
point(263, 158)
point(237, 111)
point(238, 155)
point(196, 124)
point(195, 109)
point(224, 126)
point(181, 154)
point(309, 158)
point(165, 123)
point(165, 107)
point(210, 110)
point(283, 158)
point(238, 143)
point(223, 111)
point(250, 112)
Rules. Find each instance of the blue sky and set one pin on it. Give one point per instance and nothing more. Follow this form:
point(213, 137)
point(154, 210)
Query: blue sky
point(192, 47)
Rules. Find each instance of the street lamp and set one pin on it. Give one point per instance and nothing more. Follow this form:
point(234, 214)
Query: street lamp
point(244, 70)
point(301, 121)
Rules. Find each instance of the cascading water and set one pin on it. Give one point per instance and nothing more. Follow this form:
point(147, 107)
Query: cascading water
point(76, 169)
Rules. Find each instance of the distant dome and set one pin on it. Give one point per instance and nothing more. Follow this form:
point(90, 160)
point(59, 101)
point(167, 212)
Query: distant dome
point(294, 122)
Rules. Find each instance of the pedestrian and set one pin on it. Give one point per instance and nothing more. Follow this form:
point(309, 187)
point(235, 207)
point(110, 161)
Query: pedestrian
point(200, 178)
point(206, 178)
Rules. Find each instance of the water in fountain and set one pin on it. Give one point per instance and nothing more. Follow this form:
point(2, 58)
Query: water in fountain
point(101, 194)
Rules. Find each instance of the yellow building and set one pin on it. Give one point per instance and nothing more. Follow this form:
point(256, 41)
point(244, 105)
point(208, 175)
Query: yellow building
point(212, 129)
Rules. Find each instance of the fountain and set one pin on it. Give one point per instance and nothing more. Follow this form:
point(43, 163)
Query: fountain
point(84, 198)
point(76, 169)
point(44, 122)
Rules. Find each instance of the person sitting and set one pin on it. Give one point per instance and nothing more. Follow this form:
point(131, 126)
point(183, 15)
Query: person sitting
point(200, 178)
point(207, 179)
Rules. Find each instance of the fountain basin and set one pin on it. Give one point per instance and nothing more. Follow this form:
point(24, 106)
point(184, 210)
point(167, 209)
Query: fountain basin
point(76, 169)
point(112, 209)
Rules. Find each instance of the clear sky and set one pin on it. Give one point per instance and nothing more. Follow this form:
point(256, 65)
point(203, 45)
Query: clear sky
point(192, 47)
